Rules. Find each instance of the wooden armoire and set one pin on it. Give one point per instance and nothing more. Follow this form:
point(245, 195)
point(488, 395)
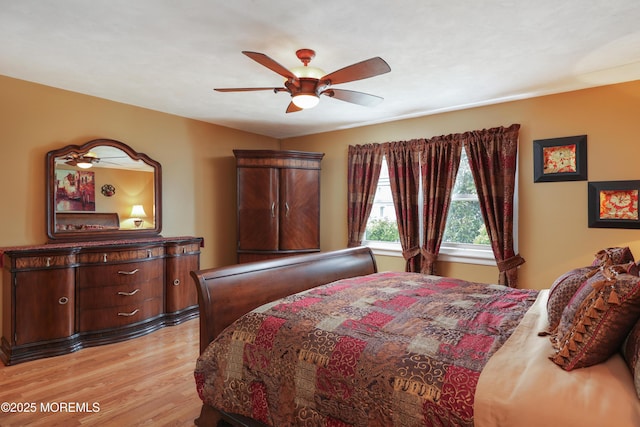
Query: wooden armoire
point(278, 203)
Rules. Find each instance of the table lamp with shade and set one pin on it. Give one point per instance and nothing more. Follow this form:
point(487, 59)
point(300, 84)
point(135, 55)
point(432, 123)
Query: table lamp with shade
point(137, 215)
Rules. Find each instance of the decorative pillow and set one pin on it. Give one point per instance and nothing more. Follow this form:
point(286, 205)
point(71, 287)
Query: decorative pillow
point(563, 289)
point(629, 268)
point(631, 353)
point(612, 256)
point(597, 319)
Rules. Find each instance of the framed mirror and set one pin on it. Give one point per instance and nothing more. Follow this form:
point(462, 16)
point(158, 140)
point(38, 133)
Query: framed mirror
point(102, 190)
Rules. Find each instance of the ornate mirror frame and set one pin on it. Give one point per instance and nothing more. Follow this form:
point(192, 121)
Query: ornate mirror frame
point(99, 225)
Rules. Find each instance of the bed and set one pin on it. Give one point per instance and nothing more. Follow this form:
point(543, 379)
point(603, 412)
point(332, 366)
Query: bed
point(326, 339)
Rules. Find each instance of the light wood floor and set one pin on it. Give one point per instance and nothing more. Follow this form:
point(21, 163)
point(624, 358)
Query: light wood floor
point(144, 381)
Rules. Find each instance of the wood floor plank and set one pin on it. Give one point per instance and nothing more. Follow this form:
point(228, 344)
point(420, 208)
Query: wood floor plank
point(147, 381)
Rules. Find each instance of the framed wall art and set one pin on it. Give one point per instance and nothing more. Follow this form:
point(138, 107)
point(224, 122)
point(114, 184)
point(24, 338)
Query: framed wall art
point(614, 204)
point(560, 159)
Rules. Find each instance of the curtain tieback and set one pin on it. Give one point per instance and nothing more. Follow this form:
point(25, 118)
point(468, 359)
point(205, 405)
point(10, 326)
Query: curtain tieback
point(429, 256)
point(510, 263)
point(407, 254)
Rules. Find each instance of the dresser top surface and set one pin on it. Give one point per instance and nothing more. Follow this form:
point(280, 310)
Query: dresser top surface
point(98, 243)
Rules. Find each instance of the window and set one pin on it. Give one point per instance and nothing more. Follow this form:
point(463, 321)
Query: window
point(465, 238)
point(382, 226)
point(464, 221)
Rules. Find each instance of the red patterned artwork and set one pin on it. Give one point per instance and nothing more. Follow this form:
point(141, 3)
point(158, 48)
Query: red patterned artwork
point(619, 204)
point(75, 191)
point(559, 159)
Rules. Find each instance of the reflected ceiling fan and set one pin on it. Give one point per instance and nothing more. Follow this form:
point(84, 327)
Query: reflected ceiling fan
point(305, 84)
point(84, 160)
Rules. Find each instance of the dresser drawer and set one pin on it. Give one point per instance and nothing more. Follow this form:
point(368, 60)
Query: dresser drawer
point(119, 295)
point(112, 317)
point(183, 248)
point(120, 256)
point(47, 261)
point(120, 274)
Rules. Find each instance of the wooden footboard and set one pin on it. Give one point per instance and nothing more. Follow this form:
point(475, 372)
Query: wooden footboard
point(226, 293)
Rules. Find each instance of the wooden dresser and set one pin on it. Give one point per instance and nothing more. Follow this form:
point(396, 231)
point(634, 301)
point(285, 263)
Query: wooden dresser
point(61, 297)
point(278, 203)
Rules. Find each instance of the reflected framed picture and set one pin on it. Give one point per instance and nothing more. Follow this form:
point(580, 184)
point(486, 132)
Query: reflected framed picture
point(613, 204)
point(75, 191)
point(560, 159)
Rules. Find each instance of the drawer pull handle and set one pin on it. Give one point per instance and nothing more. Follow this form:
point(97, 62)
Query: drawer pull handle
point(128, 294)
point(176, 282)
point(129, 314)
point(184, 249)
point(129, 273)
point(48, 261)
point(148, 253)
point(63, 300)
point(104, 257)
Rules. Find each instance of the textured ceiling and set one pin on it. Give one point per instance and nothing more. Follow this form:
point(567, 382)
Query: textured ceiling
point(168, 55)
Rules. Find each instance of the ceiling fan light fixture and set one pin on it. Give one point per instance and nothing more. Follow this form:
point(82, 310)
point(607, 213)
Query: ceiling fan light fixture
point(305, 101)
point(84, 164)
point(85, 161)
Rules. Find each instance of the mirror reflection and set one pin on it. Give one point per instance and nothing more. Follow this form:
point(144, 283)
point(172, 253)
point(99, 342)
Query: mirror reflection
point(102, 189)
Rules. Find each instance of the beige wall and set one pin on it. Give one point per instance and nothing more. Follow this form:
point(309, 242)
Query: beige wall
point(199, 168)
point(553, 233)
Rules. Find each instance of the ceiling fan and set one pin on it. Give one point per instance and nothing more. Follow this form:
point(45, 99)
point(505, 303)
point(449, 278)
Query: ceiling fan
point(305, 84)
point(84, 160)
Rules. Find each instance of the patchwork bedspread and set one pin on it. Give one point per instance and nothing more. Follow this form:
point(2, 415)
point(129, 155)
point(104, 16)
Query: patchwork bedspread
point(387, 349)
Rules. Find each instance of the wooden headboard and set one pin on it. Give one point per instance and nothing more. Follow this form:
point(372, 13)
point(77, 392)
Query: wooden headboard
point(226, 293)
point(87, 221)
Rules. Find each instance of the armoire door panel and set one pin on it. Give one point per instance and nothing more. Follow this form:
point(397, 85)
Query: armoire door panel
point(299, 209)
point(258, 210)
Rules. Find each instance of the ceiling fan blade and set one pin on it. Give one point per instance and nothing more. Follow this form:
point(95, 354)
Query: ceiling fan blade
point(292, 108)
point(249, 89)
point(362, 70)
point(271, 64)
point(354, 97)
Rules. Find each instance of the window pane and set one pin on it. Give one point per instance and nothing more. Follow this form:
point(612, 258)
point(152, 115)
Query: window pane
point(382, 225)
point(464, 223)
point(464, 185)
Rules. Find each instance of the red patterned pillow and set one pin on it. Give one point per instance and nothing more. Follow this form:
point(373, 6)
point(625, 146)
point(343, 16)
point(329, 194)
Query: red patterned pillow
point(597, 319)
point(631, 353)
point(612, 256)
point(563, 289)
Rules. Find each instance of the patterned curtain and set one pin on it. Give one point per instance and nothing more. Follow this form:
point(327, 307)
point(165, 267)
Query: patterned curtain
point(440, 161)
point(403, 160)
point(492, 157)
point(365, 162)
